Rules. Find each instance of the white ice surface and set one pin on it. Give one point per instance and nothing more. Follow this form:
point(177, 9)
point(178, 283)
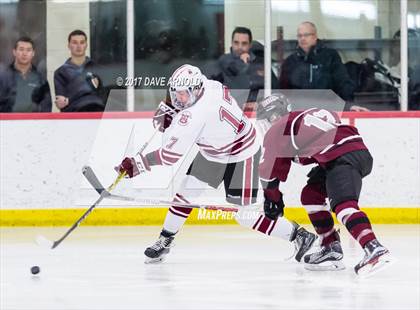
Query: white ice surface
point(211, 267)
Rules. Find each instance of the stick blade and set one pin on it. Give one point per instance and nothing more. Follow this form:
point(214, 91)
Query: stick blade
point(92, 179)
point(44, 242)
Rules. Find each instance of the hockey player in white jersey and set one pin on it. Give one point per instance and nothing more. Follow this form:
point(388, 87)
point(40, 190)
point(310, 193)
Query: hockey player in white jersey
point(202, 111)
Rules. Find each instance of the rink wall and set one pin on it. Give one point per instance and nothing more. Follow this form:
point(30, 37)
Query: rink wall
point(41, 157)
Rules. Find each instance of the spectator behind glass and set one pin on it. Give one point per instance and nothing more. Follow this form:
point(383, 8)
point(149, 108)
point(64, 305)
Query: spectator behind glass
point(243, 67)
point(77, 87)
point(314, 66)
point(22, 87)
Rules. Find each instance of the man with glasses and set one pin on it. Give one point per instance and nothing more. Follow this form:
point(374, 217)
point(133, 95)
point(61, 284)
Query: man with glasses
point(314, 66)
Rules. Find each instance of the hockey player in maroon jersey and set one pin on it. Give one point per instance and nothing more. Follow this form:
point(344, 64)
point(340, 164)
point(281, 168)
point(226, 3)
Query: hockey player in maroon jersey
point(316, 136)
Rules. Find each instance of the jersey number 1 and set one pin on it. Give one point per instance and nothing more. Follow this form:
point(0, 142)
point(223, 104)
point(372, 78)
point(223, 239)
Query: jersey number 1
point(225, 115)
point(321, 119)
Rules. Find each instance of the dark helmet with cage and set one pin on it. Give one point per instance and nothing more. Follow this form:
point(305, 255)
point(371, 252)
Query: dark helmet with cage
point(273, 107)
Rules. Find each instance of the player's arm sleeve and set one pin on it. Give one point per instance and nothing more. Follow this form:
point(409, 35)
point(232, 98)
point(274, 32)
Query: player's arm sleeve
point(280, 168)
point(273, 167)
point(279, 173)
point(163, 157)
point(176, 141)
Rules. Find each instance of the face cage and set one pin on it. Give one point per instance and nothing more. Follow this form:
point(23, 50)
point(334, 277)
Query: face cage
point(275, 115)
point(191, 94)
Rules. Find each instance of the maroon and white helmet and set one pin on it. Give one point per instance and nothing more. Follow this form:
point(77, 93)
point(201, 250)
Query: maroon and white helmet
point(185, 86)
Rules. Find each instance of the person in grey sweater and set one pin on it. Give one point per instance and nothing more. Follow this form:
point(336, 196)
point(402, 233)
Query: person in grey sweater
point(22, 87)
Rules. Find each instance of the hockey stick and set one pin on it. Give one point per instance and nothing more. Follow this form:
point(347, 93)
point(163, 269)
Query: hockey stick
point(93, 180)
point(148, 142)
point(41, 240)
point(96, 184)
point(161, 203)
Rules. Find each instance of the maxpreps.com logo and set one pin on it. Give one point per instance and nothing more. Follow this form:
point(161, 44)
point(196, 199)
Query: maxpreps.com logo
point(185, 116)
point(214, 215)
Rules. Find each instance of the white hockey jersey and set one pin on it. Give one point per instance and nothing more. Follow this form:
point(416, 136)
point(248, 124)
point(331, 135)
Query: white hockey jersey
point(216, 124)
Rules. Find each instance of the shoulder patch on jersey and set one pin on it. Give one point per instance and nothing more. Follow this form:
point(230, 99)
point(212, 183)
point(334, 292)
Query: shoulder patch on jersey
point(185, 117)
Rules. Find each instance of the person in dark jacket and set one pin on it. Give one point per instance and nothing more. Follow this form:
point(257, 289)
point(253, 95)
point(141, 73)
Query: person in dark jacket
point(314, 66)
point(22, 87)
point(77, 87)
point(243, 67)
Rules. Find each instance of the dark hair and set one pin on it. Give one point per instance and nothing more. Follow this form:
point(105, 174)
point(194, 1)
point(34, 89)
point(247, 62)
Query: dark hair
point(76, 32)
point(243, 30)
point(25, 39)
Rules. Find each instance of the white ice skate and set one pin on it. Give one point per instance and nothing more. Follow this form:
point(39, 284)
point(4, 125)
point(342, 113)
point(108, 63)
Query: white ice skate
point(303, 241)
point(376, 258)
point(330, 257)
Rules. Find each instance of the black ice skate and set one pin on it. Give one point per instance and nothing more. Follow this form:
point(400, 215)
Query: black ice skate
point(303, 241)
point(376, 257)
point(157, 252)
point(328, 258)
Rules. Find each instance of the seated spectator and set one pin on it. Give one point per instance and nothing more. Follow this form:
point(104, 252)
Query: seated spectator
point(22, 87)
point(77, 87)
point(314, 66)
point(242, 68)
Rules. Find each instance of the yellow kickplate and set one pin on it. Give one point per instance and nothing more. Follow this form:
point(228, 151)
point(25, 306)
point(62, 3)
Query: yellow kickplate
point(154, 216)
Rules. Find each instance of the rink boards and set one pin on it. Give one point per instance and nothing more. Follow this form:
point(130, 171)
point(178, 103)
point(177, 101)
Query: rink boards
point(42, 156)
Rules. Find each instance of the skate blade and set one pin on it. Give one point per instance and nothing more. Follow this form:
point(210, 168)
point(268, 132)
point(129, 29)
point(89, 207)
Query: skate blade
point(156, 260)
point(383, 262)
point(326, 266)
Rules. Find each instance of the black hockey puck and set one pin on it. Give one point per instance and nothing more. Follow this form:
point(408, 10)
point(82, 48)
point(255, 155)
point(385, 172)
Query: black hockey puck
point(35, 270)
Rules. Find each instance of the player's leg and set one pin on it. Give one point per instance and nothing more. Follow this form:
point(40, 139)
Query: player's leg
point(200, 174)
point(175, 218)
point(241, 186)
point(344, 183)
point(313, 200)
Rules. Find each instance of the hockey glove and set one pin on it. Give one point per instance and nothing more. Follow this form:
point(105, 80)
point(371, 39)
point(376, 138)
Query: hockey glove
point(273, 203)
point(164, 115)
point(133, 166)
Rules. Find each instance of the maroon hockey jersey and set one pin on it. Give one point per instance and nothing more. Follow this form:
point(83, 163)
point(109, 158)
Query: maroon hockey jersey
point(306, 137)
